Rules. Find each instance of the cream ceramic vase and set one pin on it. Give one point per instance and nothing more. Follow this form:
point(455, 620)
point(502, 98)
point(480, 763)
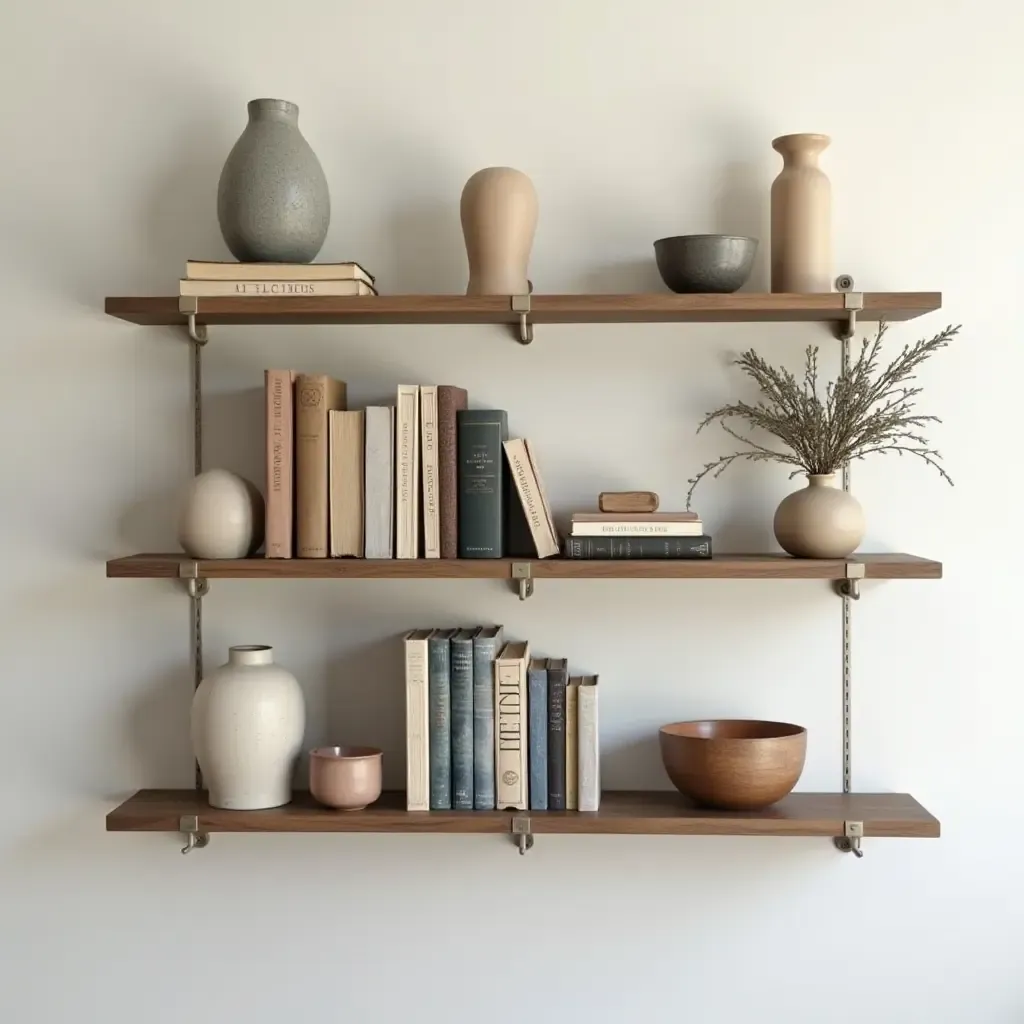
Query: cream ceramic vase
point(820, 521)
point(221, 516)
point(248, 721)
point(499, 218)
point(801, 256)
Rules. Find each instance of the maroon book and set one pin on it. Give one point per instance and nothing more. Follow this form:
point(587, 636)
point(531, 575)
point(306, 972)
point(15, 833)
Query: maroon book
point(449, 401)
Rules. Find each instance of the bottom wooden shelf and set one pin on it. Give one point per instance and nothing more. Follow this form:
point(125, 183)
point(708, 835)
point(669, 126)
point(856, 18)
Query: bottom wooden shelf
point(621, 813)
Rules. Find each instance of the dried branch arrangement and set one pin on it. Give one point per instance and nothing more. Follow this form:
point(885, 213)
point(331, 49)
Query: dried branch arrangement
point(865, 411)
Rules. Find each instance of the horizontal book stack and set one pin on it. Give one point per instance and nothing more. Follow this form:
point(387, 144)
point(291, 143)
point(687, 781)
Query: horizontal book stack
point(637, 535)
point(488, 727)
point(279, 280)
point(426, 477)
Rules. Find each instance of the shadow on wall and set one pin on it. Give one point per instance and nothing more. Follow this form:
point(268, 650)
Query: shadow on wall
point(156, 730)
point(741, 205)
point(365, 704)
point(180, 219)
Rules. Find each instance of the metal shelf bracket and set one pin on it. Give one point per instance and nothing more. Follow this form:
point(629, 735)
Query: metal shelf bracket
point(853, 303)
point(197, 586)
point(521, 305)
point(850, 585)
point(522, 572)
point(195, 839)
point(849, 841)
point(189, 305)
point(521, 834)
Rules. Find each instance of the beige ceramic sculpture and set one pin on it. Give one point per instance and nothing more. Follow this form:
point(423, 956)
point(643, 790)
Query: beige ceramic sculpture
point(499, 217)
point(819, 521)
point(801, 217)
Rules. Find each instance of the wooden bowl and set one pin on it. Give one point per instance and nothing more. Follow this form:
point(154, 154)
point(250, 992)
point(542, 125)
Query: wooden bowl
point(734, 764)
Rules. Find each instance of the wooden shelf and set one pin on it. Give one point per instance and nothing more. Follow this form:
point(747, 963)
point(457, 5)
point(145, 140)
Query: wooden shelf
point(778, 567)
point(650, 813)
point(545, 309)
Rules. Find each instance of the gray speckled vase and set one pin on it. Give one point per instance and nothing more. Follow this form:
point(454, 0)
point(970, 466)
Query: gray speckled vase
point(272, 199)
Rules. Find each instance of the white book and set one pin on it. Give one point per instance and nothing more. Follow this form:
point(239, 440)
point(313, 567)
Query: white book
point(211, 270)
point(528, 487)
point(429, 470)
point(407, 471)
point(511, 742)
point(277, 289)
point(379, 509)
point(588, 745)
point(417, 721)
point(693, 528)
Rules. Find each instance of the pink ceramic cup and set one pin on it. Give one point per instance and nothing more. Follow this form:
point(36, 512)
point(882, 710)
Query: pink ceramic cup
point(346, 778)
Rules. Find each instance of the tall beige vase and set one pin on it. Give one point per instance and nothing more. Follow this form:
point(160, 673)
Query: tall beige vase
point(499, 218)
point(801, 217)
point(819, 521)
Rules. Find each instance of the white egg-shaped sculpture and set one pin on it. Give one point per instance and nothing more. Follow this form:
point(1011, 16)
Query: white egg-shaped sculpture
point(221, 516)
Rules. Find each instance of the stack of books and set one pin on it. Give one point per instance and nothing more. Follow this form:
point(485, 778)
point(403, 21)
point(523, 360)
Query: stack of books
point(425, 478)
point(488, 727)
point(637, 535)
point(211, 280)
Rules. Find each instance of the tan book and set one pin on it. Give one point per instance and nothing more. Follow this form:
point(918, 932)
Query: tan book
point(572, 745)
point(276, 289)
point(207, 270)
point(528, 488)
point(348, 438)
point(627, 501)
point(417, 721)
point(589, 746)
point(407, 471)
point(621, 527)
point(279, 392)
point(511, 742)
point(635, 517)
point(429, 470)
point(315, 396)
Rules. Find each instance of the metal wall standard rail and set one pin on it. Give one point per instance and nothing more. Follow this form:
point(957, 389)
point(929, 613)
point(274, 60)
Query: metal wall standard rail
point(198, 587)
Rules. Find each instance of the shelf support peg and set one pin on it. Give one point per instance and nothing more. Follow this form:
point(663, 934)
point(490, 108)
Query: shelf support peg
point(189, 305)
point(849, 841)
point(195, 839)
point(521, 833)
point(849, 586)
point(523, 572)
point(521, 305)
point(853, 303)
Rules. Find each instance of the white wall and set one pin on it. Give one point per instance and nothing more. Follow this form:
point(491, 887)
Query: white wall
point(635, 120)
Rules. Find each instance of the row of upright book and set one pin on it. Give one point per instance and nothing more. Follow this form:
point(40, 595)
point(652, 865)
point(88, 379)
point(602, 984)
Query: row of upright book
point(424, 478)
point(489, 727)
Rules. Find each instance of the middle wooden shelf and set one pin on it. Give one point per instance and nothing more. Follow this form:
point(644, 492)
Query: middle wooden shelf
point(890, 566)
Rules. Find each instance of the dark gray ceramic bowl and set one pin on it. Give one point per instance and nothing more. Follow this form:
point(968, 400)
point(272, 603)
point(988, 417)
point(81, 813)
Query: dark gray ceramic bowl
point(705, 263)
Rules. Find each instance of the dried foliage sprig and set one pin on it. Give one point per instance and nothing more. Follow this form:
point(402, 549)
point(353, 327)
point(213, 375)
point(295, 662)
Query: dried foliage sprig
point(865, 411)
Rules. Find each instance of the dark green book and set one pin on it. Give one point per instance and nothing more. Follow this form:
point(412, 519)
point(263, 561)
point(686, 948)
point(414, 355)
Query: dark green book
point(638, 547)
point(439, 694)
point(482, 487)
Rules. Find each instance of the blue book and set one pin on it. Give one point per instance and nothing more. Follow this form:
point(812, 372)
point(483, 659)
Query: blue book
point(439, 689)
point(462, 719)
point(537, 732)
point(486, 644)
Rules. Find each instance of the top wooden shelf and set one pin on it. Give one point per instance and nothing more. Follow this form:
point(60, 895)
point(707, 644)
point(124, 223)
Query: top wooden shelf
point(544, 309)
